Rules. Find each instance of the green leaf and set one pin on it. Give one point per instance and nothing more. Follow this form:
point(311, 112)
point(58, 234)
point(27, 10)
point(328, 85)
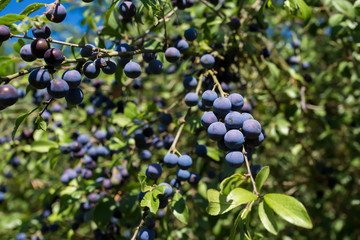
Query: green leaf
point(305, 10)
point(43, 146)
point(213, 153)
point(231, 182)
point(344, 7)
point(151, 202)
point(104, 211)
point(179, 208)
point(221, 203)
point(335, 19)
point(236, 224)
point(267, 218)
point(10, 18)
point(131, 110)
point(289, 208)
point(19, 120)
point(41, 124)
point(261, 177)
point(142, 180)
point(274, 70)
point(32, 8)
point(121, 120)
point(3, 4)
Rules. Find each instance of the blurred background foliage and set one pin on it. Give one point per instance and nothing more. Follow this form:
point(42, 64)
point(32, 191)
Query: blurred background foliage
point(311, 116)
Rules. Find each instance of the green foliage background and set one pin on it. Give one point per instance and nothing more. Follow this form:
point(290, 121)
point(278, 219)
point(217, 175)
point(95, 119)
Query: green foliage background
point(313, 128)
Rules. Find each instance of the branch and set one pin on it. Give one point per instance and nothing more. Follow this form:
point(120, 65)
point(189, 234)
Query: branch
point(142, 222)
point(217, 83)
point(153, 27)
point(183, 120)
point(219, 13)
point(249, 171)
point(8, 78)
point(65, 43)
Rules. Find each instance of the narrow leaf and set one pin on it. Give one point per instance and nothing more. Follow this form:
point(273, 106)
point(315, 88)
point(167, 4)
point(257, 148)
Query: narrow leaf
point(305, 10)
point(32, 8)
point(221, 203)
point(289, 208)
point(236, 224)
point(19, 120)
point(179, 208)
point(261, 177)
point(10, 18)
point(231, 182)
point(3, 4)
point(267, 218)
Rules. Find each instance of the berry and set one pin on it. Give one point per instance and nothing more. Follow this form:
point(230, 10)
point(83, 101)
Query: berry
point(93, 197)
point(172, 54)
point(132, 70)
point(182, 175)
point(184, 162)
point(266, 52)
point(25, 53)
point(234, 23)
point(194, 178)
point(72, 77)
point(53, 57)
point(234, 158)
point(21, 236)
point(127, 9)
point(216, 131)
point(251, 129)
point(191, 99)
point(154, 171)
point(90, 70)
point(208, 97)
point(296, 43)
point(145, 155)
point(208, 118)
point(100, 62)
point(56, 13)
point(155, 66)
point(255, 169)
point(190, 34)
point(222, 106)
point(170, 160)
point(207, 61)
point(8, 95)
point(182, 46)
point(39, 78)
point(58, 88)
point(255, 142)
point(39, 47)
point(203, 107)
point(149, 56)
point(305, 65)
point(150, 223)
point(167, 192)
point(190, 83)
point(146, 234)
point(234, 139)
point(43, 32)
point(237, 101)
point(75, 96)
point(246, 107)
point(201, 150)
point(110, 67)
point(87, 51)
point(4, 33)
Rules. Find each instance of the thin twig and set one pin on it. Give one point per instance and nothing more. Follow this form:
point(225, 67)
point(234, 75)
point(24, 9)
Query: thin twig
point(217, 83)
point(249, 171)
point(142, 222)
point(8, 78)
point(153, 27)
point(65, 43)
point(219, 13)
